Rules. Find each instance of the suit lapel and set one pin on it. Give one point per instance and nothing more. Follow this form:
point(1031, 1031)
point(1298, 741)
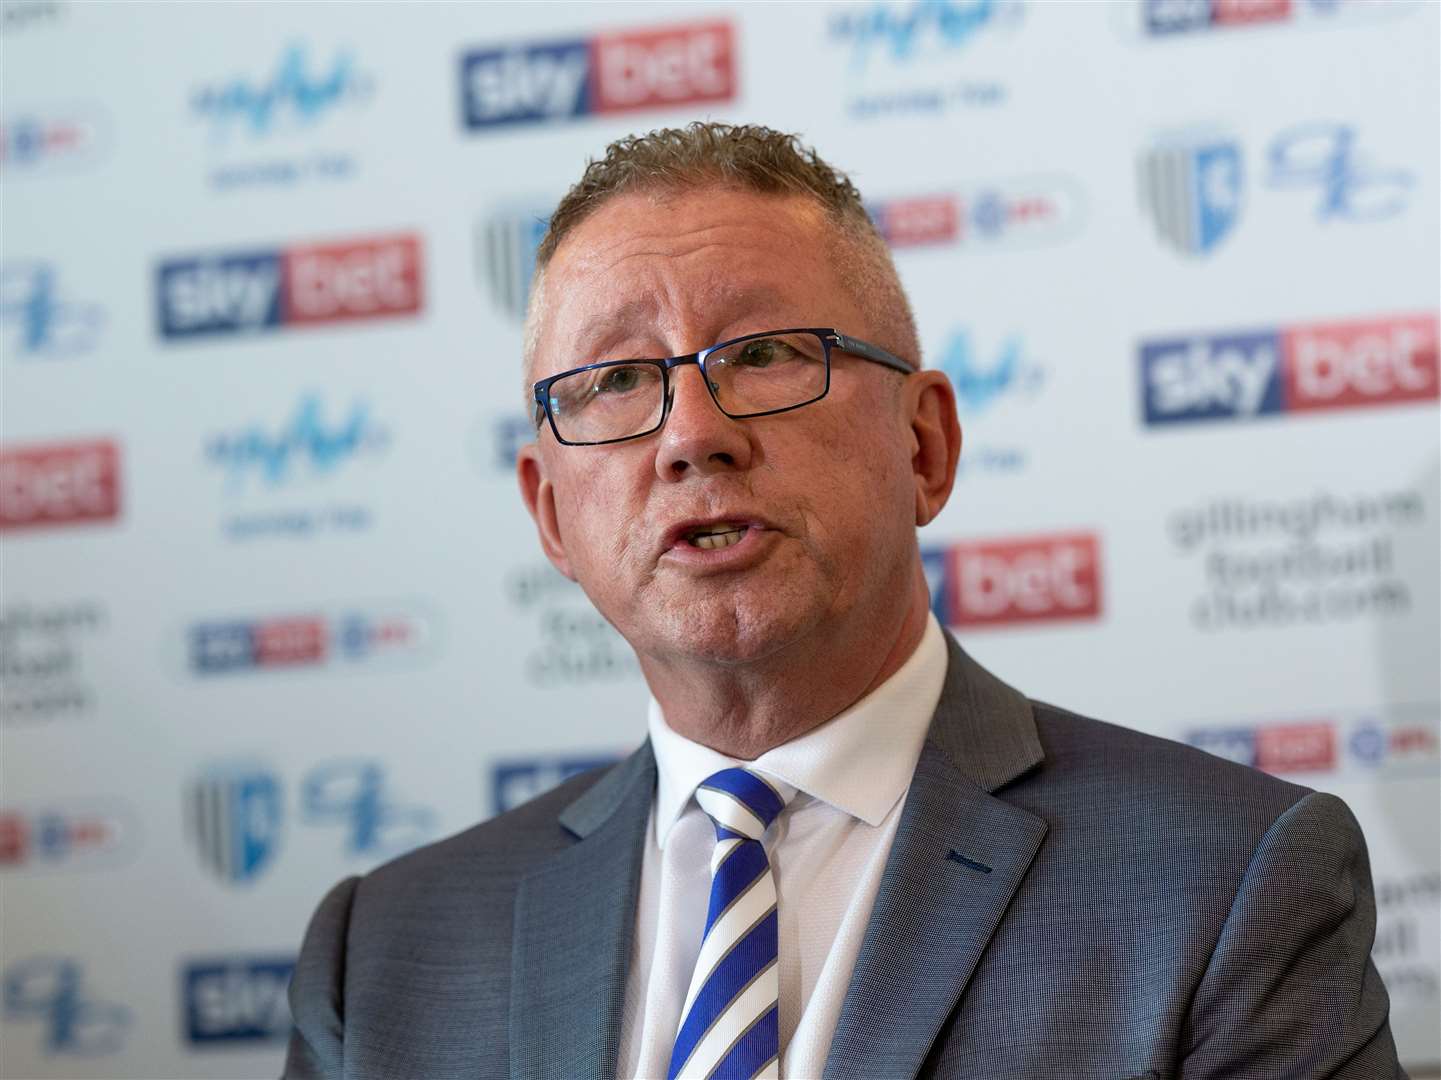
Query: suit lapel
point(959, 856)
point(574, 922)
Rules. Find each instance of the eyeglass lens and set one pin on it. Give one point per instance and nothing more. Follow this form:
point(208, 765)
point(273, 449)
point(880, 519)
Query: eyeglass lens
point(758, 375)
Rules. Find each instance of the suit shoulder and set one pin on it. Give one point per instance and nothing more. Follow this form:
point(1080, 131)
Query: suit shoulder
point(1161, 773)
point(498, 850)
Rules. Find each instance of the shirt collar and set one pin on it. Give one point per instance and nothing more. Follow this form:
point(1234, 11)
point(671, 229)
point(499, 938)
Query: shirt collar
point(860, 761)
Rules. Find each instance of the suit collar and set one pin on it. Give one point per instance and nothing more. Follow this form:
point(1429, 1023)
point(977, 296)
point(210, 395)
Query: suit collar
point(985, 729)
point(959, 855)
point(574, 924)
point(611, 793)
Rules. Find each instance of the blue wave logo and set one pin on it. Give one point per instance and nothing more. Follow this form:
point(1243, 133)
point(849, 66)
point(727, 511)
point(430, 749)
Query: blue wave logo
point(978, 385)
point(305, 441)
point(292, 95)
point(907, 32)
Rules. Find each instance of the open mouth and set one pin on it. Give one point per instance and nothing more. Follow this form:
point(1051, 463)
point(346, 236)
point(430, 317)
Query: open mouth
point(720, 535)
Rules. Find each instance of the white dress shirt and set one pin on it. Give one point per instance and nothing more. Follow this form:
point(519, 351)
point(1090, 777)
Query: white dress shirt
point(827, 851)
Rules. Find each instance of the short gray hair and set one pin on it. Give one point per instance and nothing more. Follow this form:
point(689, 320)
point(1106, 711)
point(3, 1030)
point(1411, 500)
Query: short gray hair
point(751, 158)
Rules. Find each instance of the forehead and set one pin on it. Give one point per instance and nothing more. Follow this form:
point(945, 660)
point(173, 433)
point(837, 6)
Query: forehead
point(675, 271)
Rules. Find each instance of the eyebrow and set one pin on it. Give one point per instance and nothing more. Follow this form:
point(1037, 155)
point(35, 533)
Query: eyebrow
point(639, 313)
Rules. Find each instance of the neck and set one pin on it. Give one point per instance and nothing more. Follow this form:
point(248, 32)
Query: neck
point(744, 710)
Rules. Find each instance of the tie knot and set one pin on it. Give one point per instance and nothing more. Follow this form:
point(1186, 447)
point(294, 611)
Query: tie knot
point(741, 802)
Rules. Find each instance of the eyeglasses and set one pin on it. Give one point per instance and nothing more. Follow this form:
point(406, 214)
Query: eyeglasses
point(755, 375)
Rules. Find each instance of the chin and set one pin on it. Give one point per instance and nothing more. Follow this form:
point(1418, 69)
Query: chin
point(727, 632)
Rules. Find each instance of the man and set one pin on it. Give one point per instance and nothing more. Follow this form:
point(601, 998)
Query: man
point(846, 849)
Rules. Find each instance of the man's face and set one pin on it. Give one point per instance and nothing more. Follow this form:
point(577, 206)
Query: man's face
point(825, 495)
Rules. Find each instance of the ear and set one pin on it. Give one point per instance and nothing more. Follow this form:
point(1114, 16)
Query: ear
point(935, 440)
point(539, 495)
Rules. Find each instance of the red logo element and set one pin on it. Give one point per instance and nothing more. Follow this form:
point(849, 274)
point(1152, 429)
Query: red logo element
point(1236, 12)
point(1029, 579)
point(361, 279)
point(933, 219)
point(14, 838)
point(680, 65)
point(1292, 748)
point(1376, 362)
point(281, 642)
point(59, 484)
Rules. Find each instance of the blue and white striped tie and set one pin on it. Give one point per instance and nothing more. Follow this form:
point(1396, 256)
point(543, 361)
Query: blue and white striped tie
point(730, 1027)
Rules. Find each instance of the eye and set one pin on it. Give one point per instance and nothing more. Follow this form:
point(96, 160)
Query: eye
point(765, 352)
point(618, 380)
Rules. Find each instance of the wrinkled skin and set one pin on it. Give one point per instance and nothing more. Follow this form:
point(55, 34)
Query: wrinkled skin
point(830, 598)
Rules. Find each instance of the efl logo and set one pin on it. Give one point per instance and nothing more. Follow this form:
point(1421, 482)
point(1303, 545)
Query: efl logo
point(1021, 580)
point(1386, 361)
point(374, 278)
point(517, 782)
point(609, 73)
point(53, 141)
point(318, 640)
point(237, 1000)
point(63, 837)
point(59, 484)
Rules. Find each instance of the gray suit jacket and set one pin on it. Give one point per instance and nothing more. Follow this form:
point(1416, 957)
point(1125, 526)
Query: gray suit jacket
point(1064, 899)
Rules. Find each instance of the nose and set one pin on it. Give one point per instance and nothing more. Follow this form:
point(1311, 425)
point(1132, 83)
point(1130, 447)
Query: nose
point(699, 439)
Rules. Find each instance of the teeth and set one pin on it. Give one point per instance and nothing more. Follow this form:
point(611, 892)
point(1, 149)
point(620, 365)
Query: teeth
point(717, 536)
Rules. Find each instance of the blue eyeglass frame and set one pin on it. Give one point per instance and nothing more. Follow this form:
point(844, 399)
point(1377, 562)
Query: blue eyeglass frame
point(829, 338)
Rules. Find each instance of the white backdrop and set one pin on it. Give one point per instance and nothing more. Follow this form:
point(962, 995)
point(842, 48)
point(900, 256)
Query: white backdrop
point(272, 610)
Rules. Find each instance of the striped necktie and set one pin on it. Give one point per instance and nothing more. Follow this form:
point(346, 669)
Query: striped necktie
point(730, 1027)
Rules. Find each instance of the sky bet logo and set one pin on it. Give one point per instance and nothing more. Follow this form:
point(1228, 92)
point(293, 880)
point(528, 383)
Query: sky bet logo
point(1168, 17)
point(1238, 376)
point(247, 292)
point(59, 484)
point(1015, 580)
point(621, 72)
point(237, 1000)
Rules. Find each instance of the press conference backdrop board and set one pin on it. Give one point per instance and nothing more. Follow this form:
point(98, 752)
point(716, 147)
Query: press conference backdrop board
point(272, 609)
